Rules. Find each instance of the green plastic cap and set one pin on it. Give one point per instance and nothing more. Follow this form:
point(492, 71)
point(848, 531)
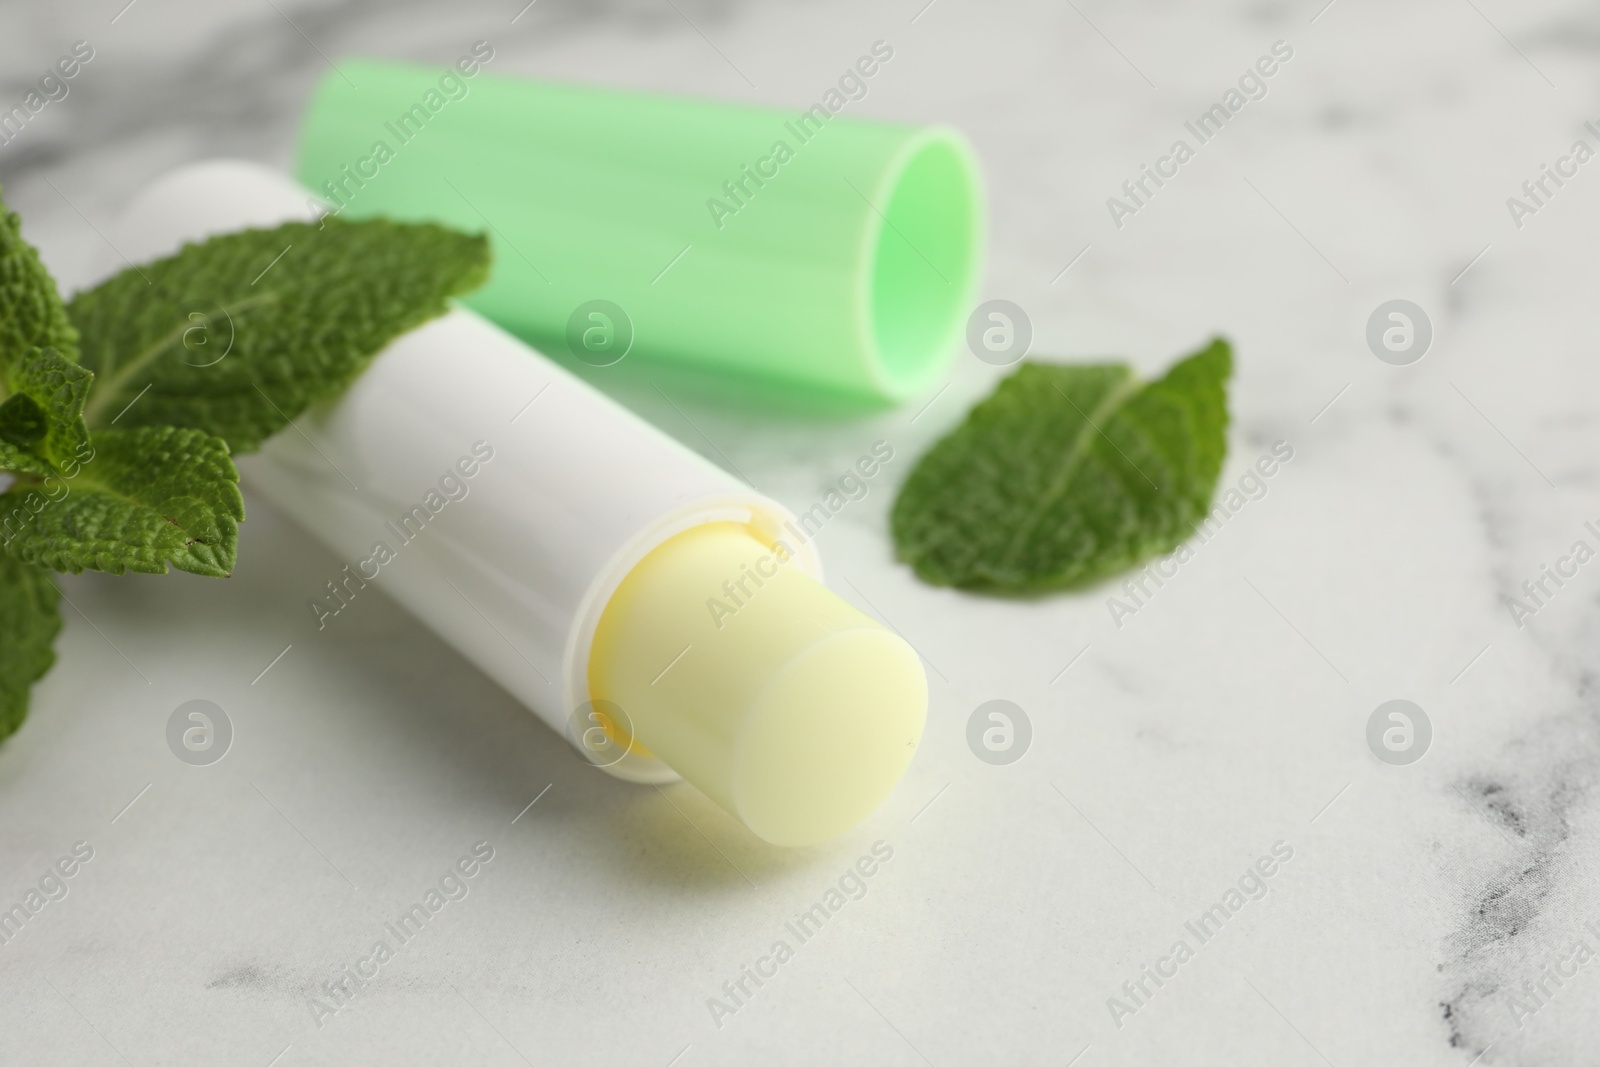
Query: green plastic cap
point(802, 248)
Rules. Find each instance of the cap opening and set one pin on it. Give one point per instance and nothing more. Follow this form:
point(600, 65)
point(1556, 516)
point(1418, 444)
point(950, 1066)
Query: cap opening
point(925, 261)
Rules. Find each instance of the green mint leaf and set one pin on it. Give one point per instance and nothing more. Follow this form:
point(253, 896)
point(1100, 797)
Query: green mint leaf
point(29, 619)
point(23, 424)
point(22, 421)
point(1067, 474)
point(242, 333)
point(43, 416)
point(144, 498)
point(31, 312)
point(39, 376)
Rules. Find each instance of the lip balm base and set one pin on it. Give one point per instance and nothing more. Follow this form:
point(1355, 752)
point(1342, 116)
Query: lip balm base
point(788, 707)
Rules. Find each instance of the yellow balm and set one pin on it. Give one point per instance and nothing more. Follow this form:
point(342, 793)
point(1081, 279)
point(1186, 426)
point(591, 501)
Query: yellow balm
point(788, 707)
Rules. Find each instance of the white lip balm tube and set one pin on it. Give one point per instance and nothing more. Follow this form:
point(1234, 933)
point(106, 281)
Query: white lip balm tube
point(663, 616)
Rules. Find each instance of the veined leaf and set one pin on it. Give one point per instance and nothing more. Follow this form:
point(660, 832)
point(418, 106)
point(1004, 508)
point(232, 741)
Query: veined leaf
point(239, 334)
point(1067, 474)
point(148, 497)
point(42, 420)
point(31, 312)
point(30, 617)
point(38, 350)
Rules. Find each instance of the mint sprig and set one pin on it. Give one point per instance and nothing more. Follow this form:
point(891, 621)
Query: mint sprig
point(120, 412)
point(1067, 474)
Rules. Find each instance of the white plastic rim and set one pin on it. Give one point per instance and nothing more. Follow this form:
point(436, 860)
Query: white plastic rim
point(516, 573)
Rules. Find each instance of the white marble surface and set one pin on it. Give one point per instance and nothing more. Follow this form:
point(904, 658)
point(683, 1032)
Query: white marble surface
point(1221, 719)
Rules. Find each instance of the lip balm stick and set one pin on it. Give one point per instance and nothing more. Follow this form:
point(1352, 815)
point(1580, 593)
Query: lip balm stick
point(664, 617)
